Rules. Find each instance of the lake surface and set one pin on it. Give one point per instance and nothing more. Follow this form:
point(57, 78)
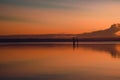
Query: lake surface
point(60, 62)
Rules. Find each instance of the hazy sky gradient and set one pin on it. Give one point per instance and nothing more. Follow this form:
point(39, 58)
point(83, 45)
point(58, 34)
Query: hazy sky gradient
point(57, 16)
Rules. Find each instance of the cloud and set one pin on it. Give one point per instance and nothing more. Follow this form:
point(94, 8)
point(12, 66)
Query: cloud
point(16, 19)
point(35, 3)
point(57, 4)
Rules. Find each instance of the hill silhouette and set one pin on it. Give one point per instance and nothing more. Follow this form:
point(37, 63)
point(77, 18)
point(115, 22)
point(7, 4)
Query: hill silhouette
point(110, 32)
point(101, 35)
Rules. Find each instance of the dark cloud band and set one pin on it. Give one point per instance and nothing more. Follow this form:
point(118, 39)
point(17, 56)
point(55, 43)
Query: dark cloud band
point(16, 19)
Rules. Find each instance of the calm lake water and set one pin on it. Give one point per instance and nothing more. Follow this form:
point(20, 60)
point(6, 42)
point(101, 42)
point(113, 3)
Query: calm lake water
point(60, 62)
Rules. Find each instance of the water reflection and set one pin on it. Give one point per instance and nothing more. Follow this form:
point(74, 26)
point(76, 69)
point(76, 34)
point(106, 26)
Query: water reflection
point(60, 62)
point(113, 49)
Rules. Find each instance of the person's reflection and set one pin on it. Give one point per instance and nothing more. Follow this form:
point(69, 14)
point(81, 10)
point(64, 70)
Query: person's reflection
point(75, 43)
point(113, 49)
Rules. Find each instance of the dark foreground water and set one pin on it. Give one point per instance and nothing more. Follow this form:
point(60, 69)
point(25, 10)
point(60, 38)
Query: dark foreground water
point(60, 62)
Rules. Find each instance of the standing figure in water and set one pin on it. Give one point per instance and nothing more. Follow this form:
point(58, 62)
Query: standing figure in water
point(75, 42)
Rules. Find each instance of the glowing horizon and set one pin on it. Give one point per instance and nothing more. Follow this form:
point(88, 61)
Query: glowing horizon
point(57, 16)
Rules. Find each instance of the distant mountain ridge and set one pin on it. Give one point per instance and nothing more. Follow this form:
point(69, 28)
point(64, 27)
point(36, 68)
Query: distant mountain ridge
point(110, 32)
point(107, 33)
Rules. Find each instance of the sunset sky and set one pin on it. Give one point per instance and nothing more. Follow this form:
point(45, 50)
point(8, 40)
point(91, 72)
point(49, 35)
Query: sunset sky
point(57, 16)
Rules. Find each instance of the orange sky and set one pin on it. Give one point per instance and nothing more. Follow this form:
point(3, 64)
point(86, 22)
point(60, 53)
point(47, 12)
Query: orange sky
point(57, 16)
